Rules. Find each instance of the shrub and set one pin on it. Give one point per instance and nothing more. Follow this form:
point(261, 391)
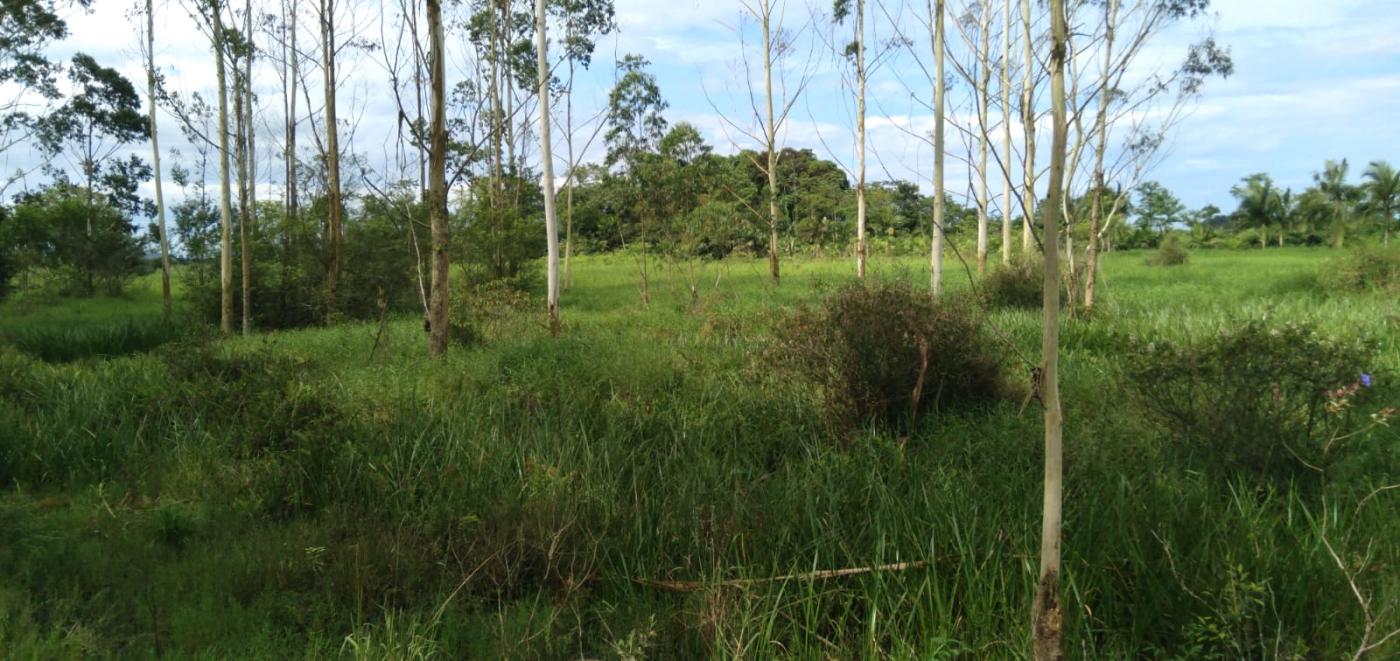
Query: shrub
point(1020, 284)
point(1375, 269)
point(1171, 253)
point(885, 353)
point(484, 310)
point(1258, 399)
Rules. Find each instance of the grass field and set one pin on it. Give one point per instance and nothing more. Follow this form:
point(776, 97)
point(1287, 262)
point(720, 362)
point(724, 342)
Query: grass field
point(290, 495)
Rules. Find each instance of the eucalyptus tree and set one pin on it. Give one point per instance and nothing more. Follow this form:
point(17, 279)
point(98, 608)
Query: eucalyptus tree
point(1047, 614)
point(1008, 188)
point(209, 14)
point(547, 165)
point(437, 183)
point(635, 127)
point(841, 10)
point(771, 113)
point(584, 22)
point(1127, 28)
point(325, 15)
point(940, 86)
point(1382, 195)
point(149, 49)
point(1028, 117)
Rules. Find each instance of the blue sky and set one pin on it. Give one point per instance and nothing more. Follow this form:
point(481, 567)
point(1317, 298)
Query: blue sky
point(1313, 80)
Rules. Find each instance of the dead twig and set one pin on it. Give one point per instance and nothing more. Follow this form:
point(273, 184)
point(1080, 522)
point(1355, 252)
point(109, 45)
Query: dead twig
point(697, 586)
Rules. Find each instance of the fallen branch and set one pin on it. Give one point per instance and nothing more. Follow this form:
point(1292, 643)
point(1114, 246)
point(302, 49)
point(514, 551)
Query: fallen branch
point(696, 586)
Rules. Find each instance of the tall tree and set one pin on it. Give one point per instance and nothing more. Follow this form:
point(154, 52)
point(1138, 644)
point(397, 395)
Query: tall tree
point(1008, 188)
point(940, 84)
point(437, 183)
point(1382, 189)
point(1028, 129)
point(98, 119)
point(635, 129)
point(27, 28)
point(856, 50)
point(1096, 210)
point(1047, 614)
point(151, 75)
point(584, 22)
point(547, 165)
point(983, 90)
point(335, 249)
point(1260, 204)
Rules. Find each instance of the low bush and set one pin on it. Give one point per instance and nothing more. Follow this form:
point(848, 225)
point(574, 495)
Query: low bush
point(1260, 399)
point(1171, 253)
point(885, 353)
point(484, 310)
point(1374, 269)
point(1020, 283)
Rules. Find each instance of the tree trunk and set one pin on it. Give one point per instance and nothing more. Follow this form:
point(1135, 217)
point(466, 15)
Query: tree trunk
point(1047, 613)
point(225, 194)
point(244, 206)
point(1091, 267)
point(860, 139)
point(772, 138)
point(437, 185)
point(1007, 186)
point(1028, 201)
point(983, 103)
point(333, 203)
point(551, 224)
point(155, 156)
point(569, 192)
point(939, 86)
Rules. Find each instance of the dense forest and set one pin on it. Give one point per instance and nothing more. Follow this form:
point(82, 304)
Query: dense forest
point(402, 330)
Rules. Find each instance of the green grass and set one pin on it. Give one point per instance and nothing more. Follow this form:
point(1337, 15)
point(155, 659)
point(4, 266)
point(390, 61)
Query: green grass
point(285, 495)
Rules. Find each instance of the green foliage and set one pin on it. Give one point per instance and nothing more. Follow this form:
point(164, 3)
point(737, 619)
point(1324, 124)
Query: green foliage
point(61, 344)
point(1363, 270)
point(1171, 253)
point(89, 241)
point(1268, 400)
point(884, 353)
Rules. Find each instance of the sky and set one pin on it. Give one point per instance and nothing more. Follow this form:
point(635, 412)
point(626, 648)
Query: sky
point(1312, 81)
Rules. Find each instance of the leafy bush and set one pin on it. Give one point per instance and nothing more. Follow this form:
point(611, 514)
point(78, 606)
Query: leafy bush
point(1015, 285)
point(1374, 269)
point(485, 309)
point(1020, 284)
point(1171, 253)
point(1259, 399)
point(886, 353)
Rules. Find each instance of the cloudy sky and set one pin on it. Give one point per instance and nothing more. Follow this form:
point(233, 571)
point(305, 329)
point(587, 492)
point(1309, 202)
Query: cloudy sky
point(1313, 81)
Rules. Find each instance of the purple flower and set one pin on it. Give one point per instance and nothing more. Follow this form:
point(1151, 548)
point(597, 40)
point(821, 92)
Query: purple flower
point(1366, 379)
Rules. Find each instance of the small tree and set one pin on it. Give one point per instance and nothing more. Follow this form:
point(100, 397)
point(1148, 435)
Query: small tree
point(635, 128)
point(102, 116)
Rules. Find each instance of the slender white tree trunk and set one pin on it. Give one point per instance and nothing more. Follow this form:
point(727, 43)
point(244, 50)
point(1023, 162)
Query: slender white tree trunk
point(860, 139)
point(1091, 266)
point(225, 194)
point(551, 224)
point(334, 209)
point(984, 79)
point(771, 135)
point(1028, 201)
point(1008, 189)
point(155, 155)
point(1047, 613)
point(939, 85)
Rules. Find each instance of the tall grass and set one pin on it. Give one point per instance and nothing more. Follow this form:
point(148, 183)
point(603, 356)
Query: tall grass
point(287, 495)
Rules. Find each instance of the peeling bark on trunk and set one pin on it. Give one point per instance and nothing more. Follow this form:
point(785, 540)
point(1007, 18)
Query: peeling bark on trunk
point(1047, 614)
point(437, 185)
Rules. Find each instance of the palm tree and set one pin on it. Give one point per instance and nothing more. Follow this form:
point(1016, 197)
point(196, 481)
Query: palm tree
point(1260, 205)
point(1332, 183)
point(1382, 190)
